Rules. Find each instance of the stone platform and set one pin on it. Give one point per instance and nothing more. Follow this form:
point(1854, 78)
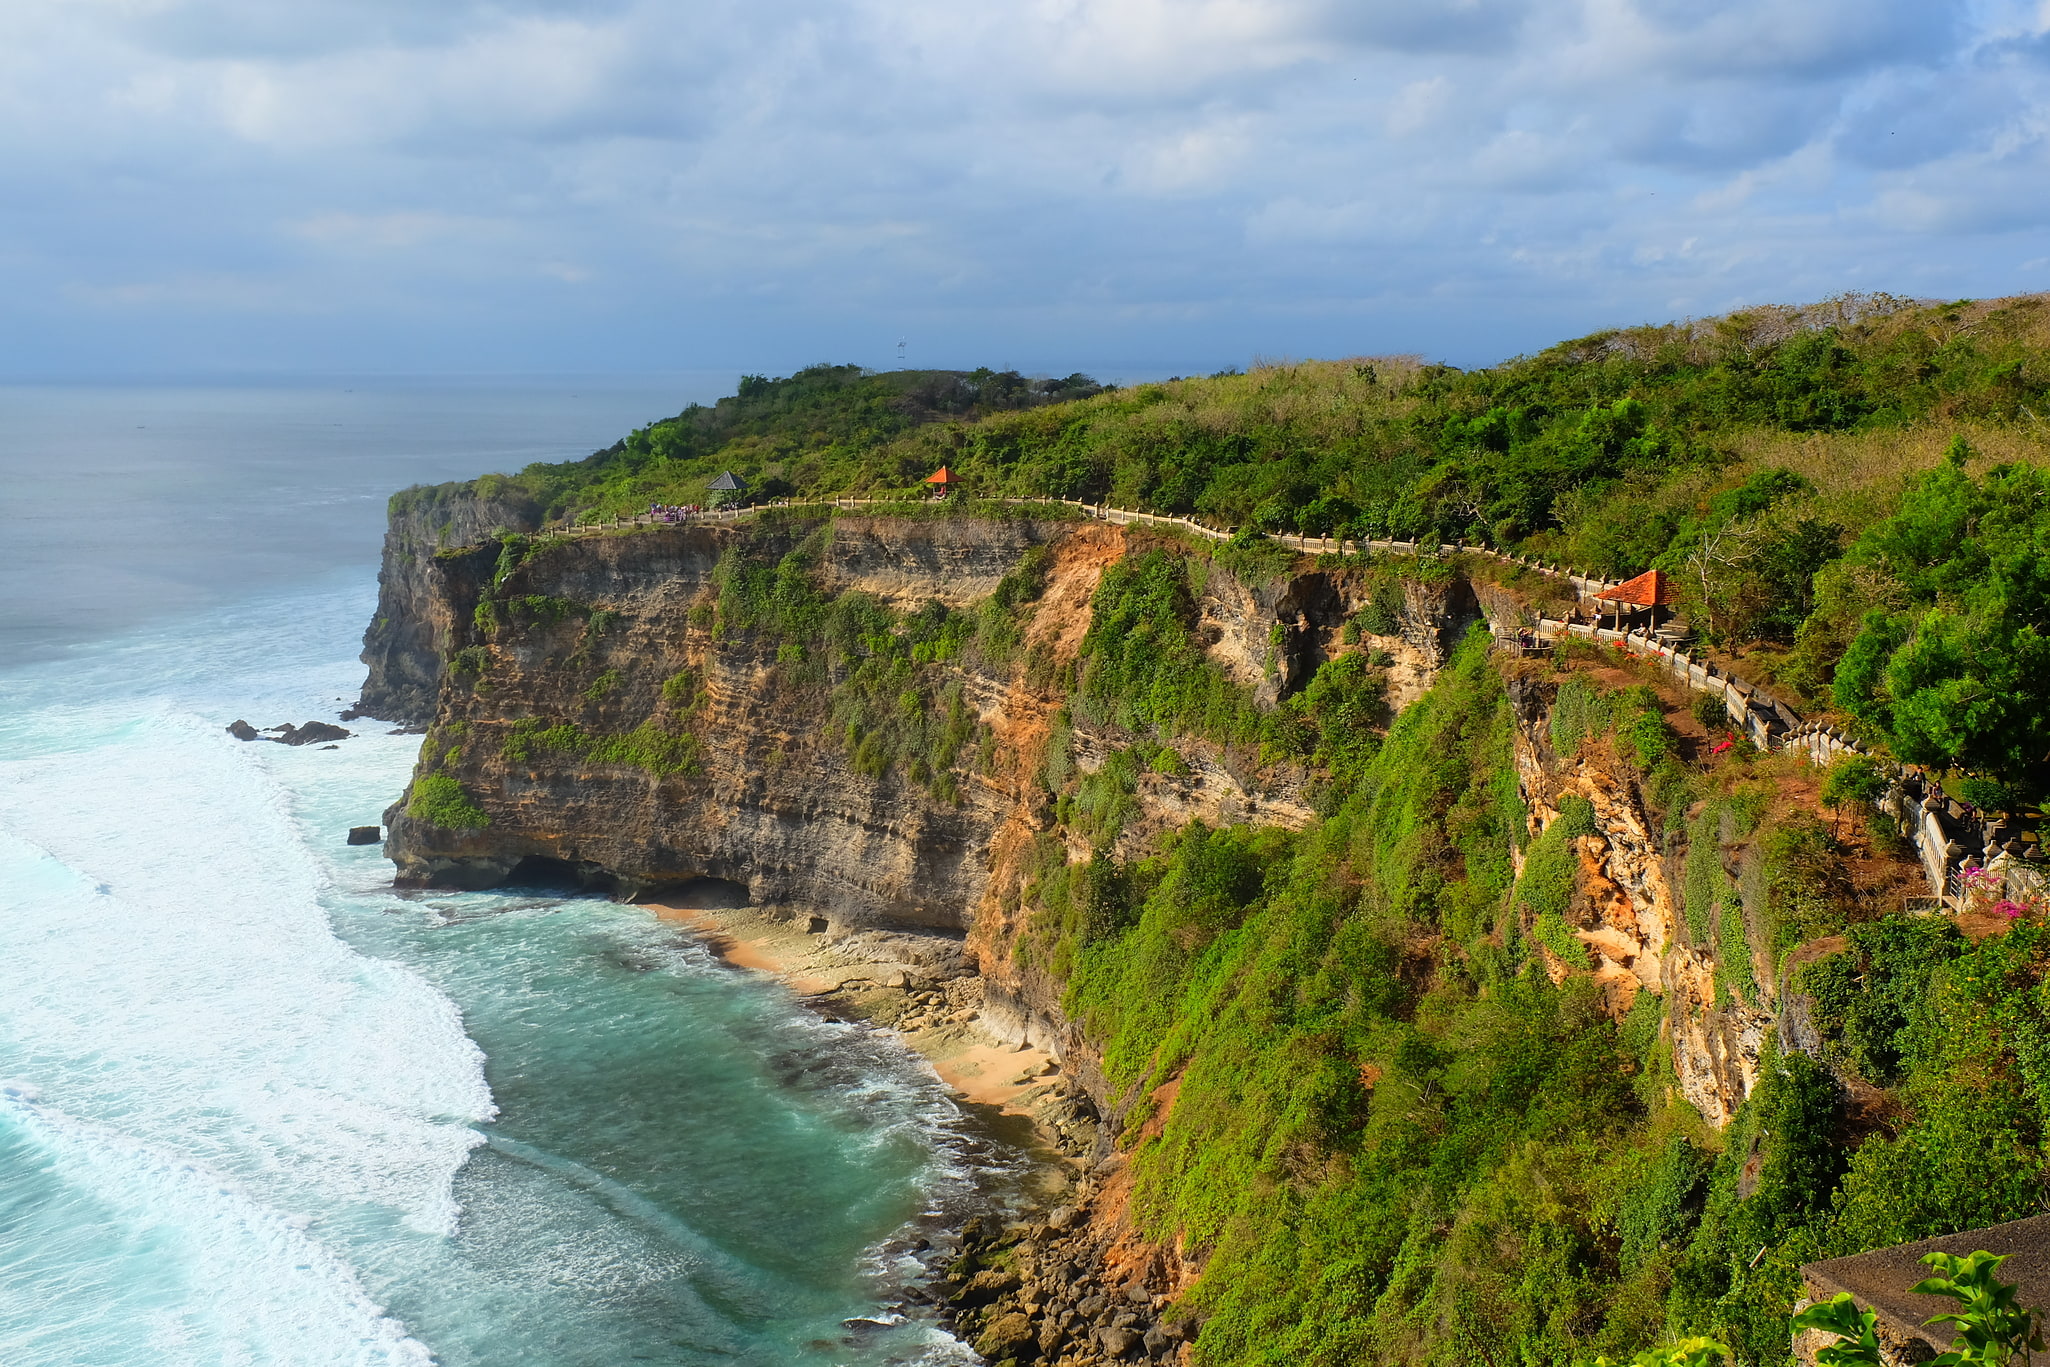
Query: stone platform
point(1880, 1280)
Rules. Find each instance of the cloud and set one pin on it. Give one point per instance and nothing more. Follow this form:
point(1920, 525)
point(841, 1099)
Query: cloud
point(636, 182)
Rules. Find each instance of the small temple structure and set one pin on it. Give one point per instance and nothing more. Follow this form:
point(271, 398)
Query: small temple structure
point(1648, 590)
point(944, 482)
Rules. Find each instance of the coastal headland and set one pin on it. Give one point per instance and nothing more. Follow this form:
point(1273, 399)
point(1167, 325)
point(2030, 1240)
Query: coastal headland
point(1435, 920)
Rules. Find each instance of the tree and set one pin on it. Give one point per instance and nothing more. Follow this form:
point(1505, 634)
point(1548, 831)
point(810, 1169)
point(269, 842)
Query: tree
point(1960, 676)
point(1854, 781)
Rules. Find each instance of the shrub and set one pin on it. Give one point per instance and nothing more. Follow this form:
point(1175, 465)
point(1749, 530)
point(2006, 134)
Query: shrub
point(439, 800)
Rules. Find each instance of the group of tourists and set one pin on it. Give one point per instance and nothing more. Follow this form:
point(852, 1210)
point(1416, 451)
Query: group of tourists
point(669, 512)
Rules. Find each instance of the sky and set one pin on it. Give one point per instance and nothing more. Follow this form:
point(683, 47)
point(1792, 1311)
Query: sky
point(1124, 187)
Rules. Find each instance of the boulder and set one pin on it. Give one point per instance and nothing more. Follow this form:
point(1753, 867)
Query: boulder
point(311, 733)
point(1008, 1337)
point(1117, 1342)
point(242, 730)
point(365, 835)
point(986, 1286)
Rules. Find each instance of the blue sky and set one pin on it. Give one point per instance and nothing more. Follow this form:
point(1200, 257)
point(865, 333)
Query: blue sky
point(1121, 186)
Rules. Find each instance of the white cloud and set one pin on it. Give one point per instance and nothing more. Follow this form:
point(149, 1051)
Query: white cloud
point(1024, 175)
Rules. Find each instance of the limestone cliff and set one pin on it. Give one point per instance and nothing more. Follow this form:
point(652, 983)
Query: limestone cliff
point(593, 633)
point(1627, 912)
point(408, 639)
point(589, 631)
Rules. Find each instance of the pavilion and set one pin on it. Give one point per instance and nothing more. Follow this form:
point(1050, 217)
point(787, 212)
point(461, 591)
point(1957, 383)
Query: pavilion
point(1648, 590)
point(945, 481)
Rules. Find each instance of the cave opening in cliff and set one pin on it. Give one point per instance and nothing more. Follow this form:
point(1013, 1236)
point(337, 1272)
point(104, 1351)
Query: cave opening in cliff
point(542, 873)
point(706, 894)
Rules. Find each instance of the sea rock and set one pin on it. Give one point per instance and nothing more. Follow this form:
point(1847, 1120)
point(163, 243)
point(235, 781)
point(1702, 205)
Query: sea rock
point(242, 730)
point(311, 733)
point(365, 835)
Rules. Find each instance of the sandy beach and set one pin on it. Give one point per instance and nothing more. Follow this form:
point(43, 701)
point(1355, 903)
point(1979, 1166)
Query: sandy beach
point(980, 1070)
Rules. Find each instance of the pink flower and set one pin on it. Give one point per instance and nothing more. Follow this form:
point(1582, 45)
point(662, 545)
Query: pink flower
point(2012, 910)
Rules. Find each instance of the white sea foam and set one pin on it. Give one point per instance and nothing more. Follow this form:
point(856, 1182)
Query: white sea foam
point(200, 1064)
point(174, 976)
point(239, 1133)
point(150, 1258)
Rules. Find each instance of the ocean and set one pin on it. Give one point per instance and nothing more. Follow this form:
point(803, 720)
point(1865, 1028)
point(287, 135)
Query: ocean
point(257, 1107)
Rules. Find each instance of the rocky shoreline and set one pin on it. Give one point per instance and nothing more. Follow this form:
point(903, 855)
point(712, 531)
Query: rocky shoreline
point(1065, 1284)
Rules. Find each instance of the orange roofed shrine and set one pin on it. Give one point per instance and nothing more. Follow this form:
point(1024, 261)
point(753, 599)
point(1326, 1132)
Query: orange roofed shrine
point(944, 478)
point(1647, 590)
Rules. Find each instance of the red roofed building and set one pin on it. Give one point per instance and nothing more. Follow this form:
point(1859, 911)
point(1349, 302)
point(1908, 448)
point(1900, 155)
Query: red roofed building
point(1647, 590)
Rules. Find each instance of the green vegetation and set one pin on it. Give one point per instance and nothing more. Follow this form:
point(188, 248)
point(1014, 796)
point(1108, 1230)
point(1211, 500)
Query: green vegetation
point(1396, 1139)
point(784, 436)
point(1992, 1326)
point(1786, 466)
point(1993, 1329)
point(1145, 671)
point(1856, 1331)
point(1694, 1352)
point(1549, 870)
point(439, 800)
point(649, 746)
point(1951, 660)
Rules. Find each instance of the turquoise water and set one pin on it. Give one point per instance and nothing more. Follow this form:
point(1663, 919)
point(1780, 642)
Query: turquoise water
point(257, 1108)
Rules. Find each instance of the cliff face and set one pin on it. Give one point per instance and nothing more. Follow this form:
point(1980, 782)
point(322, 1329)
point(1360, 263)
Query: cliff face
point(408, 639)
point(1627, 912)
point(773, 802)
point(594, 633)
